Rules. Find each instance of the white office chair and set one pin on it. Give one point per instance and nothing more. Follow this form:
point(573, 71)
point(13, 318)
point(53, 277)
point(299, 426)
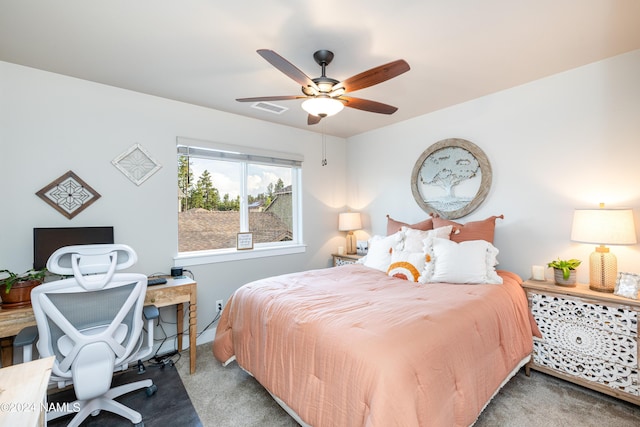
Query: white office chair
point(92, 323)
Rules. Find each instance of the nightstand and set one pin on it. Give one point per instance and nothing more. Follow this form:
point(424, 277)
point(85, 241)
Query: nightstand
point(589, 338)
point(345, 259)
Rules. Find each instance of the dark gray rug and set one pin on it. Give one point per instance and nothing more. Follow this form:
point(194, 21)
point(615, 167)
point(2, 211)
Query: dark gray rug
point(170, 405)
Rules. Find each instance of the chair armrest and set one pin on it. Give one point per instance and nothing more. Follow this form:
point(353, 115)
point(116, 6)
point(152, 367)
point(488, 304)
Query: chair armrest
point(150, 312)
point(27, 336)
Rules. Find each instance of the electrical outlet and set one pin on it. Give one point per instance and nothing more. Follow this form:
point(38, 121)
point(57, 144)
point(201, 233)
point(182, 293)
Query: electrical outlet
point(219, 304)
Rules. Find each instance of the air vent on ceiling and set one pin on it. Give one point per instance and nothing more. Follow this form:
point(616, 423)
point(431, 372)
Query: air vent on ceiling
point(267, 106)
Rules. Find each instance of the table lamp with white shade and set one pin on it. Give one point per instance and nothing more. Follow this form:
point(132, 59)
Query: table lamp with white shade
point(350, 221)
point(603, 226)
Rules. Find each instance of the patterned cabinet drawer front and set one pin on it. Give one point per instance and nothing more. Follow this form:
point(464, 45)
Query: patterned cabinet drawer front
point(579, 338)
point(612, 375)
point(619, 320)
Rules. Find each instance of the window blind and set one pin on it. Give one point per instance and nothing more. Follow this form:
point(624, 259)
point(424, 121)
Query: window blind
point(220, 151)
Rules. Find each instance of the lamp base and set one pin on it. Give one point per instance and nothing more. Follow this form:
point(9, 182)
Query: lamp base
point(603, 269)
point(352, 247)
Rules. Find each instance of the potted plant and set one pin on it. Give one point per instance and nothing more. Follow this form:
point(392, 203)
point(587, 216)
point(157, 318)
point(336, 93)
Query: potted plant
point(564, 271)
point(15, 289)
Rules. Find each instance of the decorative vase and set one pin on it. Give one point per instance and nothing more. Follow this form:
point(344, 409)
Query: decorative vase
point(558, 276)
point(19, 295)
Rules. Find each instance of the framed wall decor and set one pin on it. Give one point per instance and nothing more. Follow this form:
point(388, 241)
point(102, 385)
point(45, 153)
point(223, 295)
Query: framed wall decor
point(244, 241)
point(68, 194)
point(627, 285)
point(451, 178)
point(136, 163)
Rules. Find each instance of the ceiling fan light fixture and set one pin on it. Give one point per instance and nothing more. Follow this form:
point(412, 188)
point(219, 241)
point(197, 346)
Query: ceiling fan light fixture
point(322, 106)
point(325, 87)
point(324, 96)
point(337, 92)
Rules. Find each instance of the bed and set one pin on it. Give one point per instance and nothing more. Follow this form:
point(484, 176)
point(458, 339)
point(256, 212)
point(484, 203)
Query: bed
point(358, 346)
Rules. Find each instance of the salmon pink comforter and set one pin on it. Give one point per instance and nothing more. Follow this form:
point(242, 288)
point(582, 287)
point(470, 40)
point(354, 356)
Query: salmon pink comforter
point(351, 346)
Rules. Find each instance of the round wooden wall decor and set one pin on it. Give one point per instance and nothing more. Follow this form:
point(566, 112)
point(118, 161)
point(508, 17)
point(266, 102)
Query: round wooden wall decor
point(451, 178)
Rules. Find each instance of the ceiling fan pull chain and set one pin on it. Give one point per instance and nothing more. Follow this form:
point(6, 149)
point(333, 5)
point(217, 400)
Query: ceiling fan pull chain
point(324, 147)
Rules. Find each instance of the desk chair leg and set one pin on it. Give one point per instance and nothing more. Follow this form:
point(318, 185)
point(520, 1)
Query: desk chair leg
point(106, 403)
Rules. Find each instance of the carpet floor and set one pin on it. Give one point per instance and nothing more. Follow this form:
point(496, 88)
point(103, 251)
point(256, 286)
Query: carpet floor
point(170, 403)
point(229, 397)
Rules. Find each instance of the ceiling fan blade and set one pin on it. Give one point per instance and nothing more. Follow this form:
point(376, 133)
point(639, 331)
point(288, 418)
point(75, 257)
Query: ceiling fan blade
point(287, 68)
point(366, 105)
point(374, 76)
point(271, 98)
point(312, 120)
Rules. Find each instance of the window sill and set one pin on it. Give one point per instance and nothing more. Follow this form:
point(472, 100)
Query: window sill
point(210, 257)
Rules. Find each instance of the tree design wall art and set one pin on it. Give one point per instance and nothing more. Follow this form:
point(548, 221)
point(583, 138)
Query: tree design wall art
point(68, 194)
point(451, 178)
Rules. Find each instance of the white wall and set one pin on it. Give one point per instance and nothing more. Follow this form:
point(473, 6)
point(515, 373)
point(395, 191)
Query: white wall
point(569, 140)
point(50, 124)
point(566, 141)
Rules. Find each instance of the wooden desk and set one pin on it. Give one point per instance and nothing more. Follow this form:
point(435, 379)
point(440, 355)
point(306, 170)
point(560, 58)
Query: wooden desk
point(180, 292)
point(12, 321)
point(175, 292)
point(23, 391)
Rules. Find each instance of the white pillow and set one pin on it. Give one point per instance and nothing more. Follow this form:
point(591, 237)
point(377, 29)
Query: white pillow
point(414, 239)
point(408, 266)
point(379, 253)
point(472, 261)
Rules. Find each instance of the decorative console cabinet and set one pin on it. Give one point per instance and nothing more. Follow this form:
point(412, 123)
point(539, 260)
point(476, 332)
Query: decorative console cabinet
point(589, 338)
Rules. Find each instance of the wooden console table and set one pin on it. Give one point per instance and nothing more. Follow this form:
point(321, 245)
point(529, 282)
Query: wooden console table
point(175, 292)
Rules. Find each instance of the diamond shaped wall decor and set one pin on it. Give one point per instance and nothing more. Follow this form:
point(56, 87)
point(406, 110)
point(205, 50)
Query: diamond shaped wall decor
point(136, 164)
point(68, 194)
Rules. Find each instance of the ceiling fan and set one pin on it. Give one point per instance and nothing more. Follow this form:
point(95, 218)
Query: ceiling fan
point(326, 96)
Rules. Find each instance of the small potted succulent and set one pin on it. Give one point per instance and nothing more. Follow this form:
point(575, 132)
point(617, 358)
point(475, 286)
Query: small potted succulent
point(15, 289)
point(564, 271)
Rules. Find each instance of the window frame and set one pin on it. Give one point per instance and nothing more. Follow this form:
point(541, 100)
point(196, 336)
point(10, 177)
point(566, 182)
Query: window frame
point(246, 156)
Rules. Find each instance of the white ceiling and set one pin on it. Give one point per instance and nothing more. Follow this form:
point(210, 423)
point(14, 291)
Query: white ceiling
point(204, 51)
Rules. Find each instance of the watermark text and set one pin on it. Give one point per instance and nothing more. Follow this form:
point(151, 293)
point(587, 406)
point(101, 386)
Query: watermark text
point(39, 407)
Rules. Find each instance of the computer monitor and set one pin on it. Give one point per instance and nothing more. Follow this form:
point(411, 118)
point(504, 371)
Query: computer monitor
point(47, 240)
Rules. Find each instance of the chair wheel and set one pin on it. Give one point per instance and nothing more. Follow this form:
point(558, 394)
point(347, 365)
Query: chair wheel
point(151, 390)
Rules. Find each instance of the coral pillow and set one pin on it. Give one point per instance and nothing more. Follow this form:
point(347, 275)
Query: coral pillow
point(379, 253)
point(394, 226)
point(473, 230)
point(472, 261)
point(407, 266)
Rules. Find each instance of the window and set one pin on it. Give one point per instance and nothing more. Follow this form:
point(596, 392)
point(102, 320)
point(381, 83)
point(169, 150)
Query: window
point(224, 190)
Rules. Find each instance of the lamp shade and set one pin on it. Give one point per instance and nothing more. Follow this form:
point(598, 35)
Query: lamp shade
point(349, 221)
point(322, 106)
point(604, 226)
